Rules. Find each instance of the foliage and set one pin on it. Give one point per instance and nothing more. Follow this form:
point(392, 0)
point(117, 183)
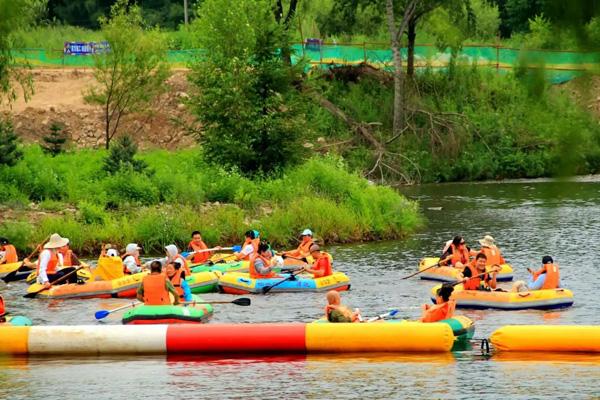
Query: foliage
point(252, 115)
point(9, 144)
point(132, 73)
point(121, 156)
point(53, 144)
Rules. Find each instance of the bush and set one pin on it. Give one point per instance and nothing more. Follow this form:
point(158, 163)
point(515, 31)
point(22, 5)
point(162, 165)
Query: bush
point(121, 156)
point(9, 144)
point(55, 141)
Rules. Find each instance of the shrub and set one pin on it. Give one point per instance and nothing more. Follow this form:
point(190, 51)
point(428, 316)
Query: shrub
point(9, 144)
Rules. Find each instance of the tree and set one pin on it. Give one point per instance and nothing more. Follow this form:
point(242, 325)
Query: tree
point(9, 141)
point(251, 113)
point(122, 156)
point(55, 141)
point(131, 74)
point(286, 53)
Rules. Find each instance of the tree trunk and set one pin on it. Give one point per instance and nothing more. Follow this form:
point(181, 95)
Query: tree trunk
point(412, 36)
point(398, 75)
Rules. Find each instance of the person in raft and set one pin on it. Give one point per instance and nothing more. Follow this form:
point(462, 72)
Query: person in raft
point(442, 309)
point(156, 289)
point(322, 265)
point(197, 244)
point(2, 310)
point(250, 245)
point(303, 249)
point(476, 277)
point(8, 253)
point(456, 253)
point(173, 255)
point(491, 251)
point(547, 277)
point(176, 275)
point(261, 264)
point(69, 259)
point(49, 261)
point(336, 312)
point(131, 259)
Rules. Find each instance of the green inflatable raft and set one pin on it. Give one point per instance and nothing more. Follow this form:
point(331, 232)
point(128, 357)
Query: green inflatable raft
point(193, 313)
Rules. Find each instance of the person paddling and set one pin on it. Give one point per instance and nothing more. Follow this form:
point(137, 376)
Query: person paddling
point(303, 249)
point(322, 265)
point(8, 253)
point(476, 277)
point(197, 244)
point(443, 308)
point(547, 277)
point(250, 245)
point(69, 259)
point(261, 264)
point(156, 287)
point(131, 259)
point(491, 251)
point(456, 253)
point(49, 261)
point(336, 312)
point(176, 276)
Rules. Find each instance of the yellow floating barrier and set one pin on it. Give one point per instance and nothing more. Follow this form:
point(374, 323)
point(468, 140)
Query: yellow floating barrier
point(547, 338)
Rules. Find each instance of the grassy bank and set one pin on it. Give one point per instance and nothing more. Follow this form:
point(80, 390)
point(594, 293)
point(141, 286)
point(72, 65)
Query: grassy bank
point(70, 194)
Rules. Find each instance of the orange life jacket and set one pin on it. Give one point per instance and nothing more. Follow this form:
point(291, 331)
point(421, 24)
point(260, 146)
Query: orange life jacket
point(52, 264)
point(438, 312)
point(493, 255)
point(459, 255)
point(323, 264)
point(254, 273)
point(176, 281)
point(552, 276)
point(185, 266)
point(10, 254)
point(2, 309)
point(304, 248)
point(67, 261)
point(137, 262)
point(474, 281)
point(155, 290)
point(199, 257)
point(254, 243)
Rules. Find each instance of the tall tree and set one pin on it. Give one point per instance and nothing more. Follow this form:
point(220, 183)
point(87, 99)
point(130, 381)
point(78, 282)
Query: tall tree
point(285, 23)
point(132, 72)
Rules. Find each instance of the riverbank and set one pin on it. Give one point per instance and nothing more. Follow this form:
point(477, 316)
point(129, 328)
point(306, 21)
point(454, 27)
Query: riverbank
point(179, 193)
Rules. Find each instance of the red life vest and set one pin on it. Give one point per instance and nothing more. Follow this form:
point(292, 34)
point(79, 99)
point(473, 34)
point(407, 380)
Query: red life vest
point(438, 312)
point(10, 254)
point(199, 257)
point(52, 266)
point(474, 281)
point(254, 273)
point(155, 290)
point(137, 262)
point(2, 309)
point(493, 255)
point(323, 265)
point(459, 255)
point(552, 276)
point(176, 281)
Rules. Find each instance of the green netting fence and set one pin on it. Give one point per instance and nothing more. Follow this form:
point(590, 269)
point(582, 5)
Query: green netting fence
point(559, 66)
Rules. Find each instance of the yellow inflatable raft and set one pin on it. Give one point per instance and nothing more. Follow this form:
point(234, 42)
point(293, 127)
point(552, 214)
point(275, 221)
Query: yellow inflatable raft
point(547, 338)
point(534, 299)
point(451, 274)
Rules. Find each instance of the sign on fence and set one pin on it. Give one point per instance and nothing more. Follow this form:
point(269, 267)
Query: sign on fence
point(85, 48)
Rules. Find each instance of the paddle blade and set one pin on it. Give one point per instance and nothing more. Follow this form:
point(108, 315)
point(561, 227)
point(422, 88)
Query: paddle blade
point(242, 301)
point(393, 312)
point(101, 314)
point(31, 295)
point(236, 248)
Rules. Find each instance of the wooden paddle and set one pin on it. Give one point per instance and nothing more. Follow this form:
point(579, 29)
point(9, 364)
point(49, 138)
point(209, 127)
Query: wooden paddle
point(34, 293)
point(425, 269)
point(266, 289)
point(9, 277)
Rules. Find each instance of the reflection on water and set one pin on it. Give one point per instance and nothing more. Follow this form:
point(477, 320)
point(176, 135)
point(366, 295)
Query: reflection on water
point(528, 219)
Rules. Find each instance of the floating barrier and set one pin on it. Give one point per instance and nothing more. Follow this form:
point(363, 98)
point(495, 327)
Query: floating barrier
point(535, 299)
point(287, 338)
point(240, 283)
point(451, 274)
point(547, 338)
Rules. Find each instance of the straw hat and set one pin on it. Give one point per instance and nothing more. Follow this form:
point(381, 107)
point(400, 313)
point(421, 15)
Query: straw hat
point(487, 241)
point(56, 242)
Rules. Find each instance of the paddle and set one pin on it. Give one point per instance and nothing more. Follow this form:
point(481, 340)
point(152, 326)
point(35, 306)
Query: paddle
point(242, 301)
point(390, 313)
point(235, 249)
point(423, 270)
point(9, 277)
point(33, 294)
point(266, 289)
point(284, 256)
point(461, 281)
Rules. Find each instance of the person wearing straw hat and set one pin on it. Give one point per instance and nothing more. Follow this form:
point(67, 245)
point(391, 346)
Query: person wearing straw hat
point(49, 261)
point(492, 253)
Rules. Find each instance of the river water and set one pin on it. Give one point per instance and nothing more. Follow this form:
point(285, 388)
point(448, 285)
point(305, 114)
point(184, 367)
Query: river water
point(528, 219)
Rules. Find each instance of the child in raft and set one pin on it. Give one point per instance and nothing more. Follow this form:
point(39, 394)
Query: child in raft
point(443, 308)
point(336, 312)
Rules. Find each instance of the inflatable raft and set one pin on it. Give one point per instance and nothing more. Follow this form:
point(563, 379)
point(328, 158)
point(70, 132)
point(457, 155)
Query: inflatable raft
point(242, 339)
point(451, 274)
point(125, 287)
point(177, 314)
point(547, 338)
point(22, 272)
point(83, 274)
point(535, 299)
point(16, 320)
point(234, 266)
point(241, 283)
